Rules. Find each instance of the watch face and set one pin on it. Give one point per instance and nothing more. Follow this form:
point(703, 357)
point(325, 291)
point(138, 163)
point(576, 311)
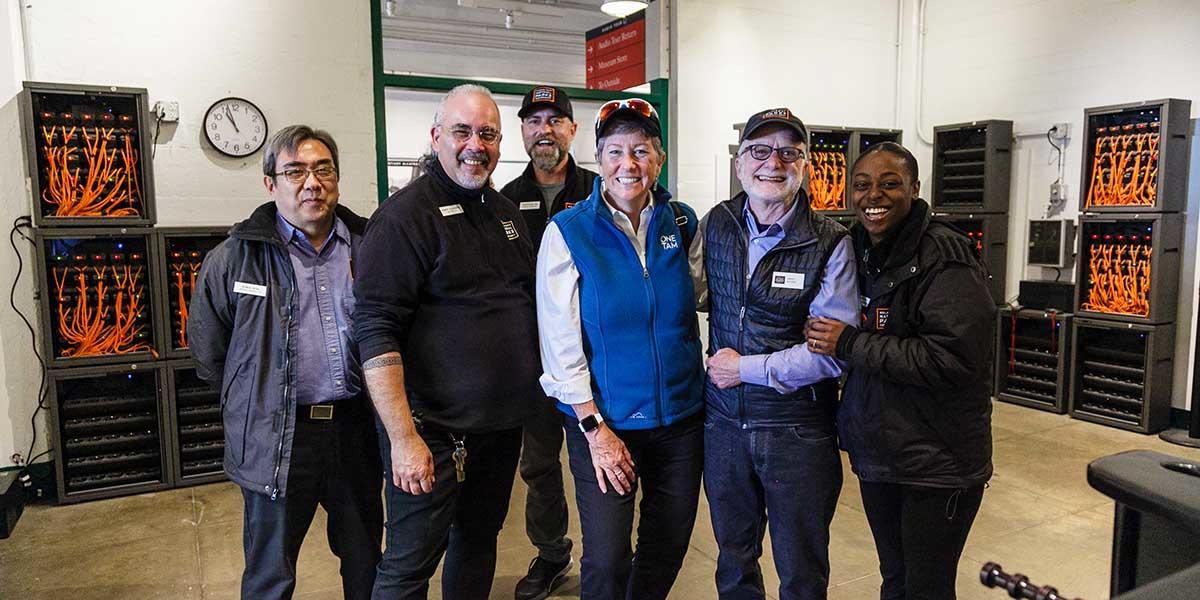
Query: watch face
point(235, 127)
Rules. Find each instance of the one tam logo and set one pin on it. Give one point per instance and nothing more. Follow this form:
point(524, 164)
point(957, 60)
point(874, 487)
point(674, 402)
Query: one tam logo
point(669, 241)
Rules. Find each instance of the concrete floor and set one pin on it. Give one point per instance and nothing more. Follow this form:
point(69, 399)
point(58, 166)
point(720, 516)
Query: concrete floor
point(1039, 517)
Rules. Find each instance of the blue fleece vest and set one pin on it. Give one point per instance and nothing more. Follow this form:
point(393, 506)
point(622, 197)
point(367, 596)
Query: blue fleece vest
point(640, 334)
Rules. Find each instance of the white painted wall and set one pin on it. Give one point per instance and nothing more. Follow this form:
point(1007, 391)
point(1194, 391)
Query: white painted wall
point(832, 63)
point(298, 60)
point(1038, 63)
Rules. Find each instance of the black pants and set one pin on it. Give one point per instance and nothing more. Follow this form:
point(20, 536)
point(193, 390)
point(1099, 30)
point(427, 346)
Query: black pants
point(545, 503)
point(333, 464)
point(919, 535)
point(669, 461)
point(458, 520)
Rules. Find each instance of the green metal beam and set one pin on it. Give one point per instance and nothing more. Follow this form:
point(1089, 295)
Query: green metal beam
point(380, 113)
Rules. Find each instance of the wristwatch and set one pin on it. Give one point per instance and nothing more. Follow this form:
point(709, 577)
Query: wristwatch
point(591, 422)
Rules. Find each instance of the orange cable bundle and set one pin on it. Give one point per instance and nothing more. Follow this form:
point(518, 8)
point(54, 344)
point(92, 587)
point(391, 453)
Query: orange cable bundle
point(1124, 168)
point(827, 181)
point(86, 329)
point(1119, 276)
point(108, 189)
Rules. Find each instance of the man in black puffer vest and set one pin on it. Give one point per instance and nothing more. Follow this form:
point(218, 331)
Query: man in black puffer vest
point(770, 438)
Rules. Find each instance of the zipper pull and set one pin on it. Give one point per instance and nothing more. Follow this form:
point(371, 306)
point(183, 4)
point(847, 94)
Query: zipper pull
point(645, 272)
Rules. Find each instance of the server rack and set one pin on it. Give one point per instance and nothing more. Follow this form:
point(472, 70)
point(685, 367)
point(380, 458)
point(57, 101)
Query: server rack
point(1136, 156)
point(1128, 267)
point(972, 167)
point(1033, 357)
point(1121, 374)
point(87, 149)
point(181, 251)
point(197, 438)
point(990, 234)
point(97, 297)
point(107, 431)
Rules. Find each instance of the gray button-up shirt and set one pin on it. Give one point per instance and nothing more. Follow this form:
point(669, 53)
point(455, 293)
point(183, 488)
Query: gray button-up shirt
point(327, 366)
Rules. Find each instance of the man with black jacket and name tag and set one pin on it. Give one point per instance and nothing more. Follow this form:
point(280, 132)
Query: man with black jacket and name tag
point(270, 323)
point(551, 182)
point(448, 335)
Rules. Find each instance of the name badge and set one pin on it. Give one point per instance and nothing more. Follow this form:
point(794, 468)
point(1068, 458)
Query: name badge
point(791, 281)
point(241, 287)
point(531, 205)
point(451, 210)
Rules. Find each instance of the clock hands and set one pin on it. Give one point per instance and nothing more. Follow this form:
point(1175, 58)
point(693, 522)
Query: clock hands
point(231, 121)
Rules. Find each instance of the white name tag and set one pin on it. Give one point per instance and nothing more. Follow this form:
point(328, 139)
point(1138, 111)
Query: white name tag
point(791, 281)
point(531, 205)
point(241, 287)
point(451, 210)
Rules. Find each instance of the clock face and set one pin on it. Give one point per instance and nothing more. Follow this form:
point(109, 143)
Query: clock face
point(235, 127)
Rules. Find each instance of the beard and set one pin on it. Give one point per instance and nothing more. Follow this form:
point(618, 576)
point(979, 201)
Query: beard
point(546, 158)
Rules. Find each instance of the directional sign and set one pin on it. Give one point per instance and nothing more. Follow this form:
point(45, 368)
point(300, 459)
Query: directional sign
point(616, 53)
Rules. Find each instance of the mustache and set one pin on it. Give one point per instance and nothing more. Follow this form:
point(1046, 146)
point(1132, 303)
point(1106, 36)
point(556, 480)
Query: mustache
point(474, 155)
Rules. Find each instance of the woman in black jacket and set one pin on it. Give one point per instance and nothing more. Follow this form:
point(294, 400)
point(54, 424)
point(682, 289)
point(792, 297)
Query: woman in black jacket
point(916, 408)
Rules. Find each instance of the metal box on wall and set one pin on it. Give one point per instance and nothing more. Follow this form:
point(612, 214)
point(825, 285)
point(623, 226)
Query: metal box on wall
point(1136, 156)
point(1033, 355)
point(107, 428)
point(972, 167)
point(180, 252)
point(1128, 267)
point(97, 295)
point(88, 151)
point(1121, 374)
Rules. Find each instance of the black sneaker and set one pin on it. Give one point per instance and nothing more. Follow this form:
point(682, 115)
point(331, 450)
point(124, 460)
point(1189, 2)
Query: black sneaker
point(543, 577)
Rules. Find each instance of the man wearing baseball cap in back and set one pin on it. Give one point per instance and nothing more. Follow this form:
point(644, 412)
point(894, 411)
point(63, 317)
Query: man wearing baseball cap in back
point(551, 182)
point(770, 440)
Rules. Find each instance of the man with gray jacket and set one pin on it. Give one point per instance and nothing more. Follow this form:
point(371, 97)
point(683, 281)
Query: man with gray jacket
point(270, 324)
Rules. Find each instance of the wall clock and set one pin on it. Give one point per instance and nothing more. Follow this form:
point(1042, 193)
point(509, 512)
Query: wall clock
point(235, 127)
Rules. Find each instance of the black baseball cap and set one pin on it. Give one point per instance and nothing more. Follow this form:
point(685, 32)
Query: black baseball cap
point(782, 116)
point(545, 95)
point(635, 109)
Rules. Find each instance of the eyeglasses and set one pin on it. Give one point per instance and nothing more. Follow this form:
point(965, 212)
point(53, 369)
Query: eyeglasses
point(297, 175)
point(637, 105)
point(486, 135)
point(787, 154)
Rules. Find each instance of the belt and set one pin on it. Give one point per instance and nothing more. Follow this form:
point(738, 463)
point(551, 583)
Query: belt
point(327, 412)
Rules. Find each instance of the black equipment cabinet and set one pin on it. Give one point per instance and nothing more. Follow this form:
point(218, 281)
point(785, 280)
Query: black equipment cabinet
point(1033, 352)
point(990, 234)
point(181, 251)
point(1135, 157)
point(1121, 374)
point(972, 167)
point(197, 432)
point(1156, 523)
point(88, 150)
point(1112, 285)
point(97, 295)
point(107, 427)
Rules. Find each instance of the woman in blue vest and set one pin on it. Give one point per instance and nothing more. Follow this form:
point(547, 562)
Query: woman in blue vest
point(621, 353)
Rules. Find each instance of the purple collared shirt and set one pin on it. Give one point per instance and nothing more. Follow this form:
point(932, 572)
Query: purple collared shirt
point(327, 366)
point(793, 368)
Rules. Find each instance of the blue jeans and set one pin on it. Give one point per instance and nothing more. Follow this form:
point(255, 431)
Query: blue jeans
point(793, 474)
point(459, 520)
point(668, 461)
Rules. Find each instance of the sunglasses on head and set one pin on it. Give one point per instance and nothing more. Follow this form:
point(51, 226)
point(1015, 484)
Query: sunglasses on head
point(637, 105)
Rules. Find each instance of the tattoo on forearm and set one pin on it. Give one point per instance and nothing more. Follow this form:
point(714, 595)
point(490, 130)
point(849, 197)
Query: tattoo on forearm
point(381, 361)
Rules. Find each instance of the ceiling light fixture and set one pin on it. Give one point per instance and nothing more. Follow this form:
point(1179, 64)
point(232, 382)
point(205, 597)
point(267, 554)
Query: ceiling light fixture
point(622, 8)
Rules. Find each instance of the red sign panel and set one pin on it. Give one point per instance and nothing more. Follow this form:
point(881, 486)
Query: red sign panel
point(616, 54)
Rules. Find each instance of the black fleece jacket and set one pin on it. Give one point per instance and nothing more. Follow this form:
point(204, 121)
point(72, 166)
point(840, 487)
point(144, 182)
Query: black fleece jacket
point(445, 277)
